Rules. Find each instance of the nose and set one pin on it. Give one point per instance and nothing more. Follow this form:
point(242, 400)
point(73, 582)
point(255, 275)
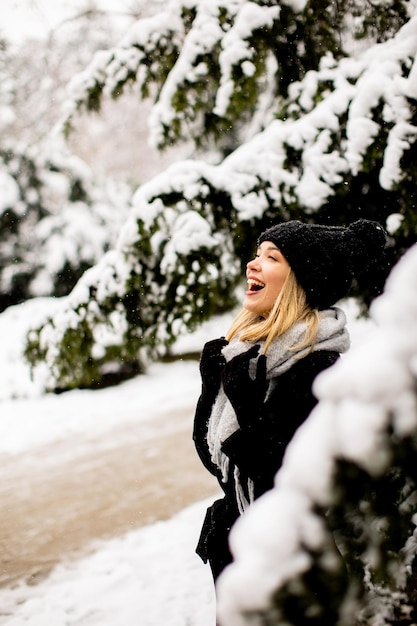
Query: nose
point(253, 264)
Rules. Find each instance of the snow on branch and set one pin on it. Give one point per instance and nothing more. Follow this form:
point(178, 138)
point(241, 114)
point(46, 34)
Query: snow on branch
point(359, 441)
point(210, 63)
point(164, 277)
point(50, 203)
point(186, 53)
point(144, 56)
point(238, 51)
point(385, 83)
point(372, 94)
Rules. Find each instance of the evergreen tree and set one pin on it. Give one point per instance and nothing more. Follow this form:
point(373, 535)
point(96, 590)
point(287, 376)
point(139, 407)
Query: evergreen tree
point(297, 109)
point(48, 208)
point(50, 200)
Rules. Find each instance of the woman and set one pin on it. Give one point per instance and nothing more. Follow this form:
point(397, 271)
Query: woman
point(257, 382)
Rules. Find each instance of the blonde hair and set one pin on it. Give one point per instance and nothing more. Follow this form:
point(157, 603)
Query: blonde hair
point(289, 308)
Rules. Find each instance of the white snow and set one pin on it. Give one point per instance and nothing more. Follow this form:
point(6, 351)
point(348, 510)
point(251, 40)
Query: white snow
point(9, 192)
point(237, 50)
point(149, 577)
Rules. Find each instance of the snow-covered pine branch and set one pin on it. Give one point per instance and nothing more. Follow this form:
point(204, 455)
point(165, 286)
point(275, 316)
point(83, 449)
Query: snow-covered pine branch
point(350, 470)
point(165, 277)
point(206, 64)
point(353, 114)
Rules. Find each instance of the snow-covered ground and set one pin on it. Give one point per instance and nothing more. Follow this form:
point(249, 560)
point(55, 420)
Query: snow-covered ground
point(149, 576)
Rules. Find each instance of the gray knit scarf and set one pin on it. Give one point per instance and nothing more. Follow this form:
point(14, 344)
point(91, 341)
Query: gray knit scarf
point(332, 335)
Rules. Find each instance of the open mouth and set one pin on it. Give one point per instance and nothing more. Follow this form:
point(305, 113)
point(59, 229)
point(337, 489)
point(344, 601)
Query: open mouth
point(255, 285)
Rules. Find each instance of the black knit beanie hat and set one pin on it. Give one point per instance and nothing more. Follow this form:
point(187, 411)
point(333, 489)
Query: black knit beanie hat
point(326, 259)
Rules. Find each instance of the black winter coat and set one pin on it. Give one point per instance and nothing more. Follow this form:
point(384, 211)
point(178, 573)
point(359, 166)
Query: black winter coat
point(256, 448)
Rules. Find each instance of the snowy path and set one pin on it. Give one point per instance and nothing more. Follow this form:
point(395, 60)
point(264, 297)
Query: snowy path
point(103, 497)
point(96, 527)
point(56, 506)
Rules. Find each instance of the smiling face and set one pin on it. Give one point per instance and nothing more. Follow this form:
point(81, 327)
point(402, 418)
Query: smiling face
point(266, 274)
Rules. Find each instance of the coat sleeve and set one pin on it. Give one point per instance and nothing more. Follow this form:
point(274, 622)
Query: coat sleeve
point(211, 366)
point(257, 449)
point(201, 418)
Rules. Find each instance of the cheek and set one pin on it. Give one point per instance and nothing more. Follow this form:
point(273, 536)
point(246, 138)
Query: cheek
point(278, 284)
point(271, 295)
point(274, 291)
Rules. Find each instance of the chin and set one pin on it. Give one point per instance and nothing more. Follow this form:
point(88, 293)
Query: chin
point(256, 310)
